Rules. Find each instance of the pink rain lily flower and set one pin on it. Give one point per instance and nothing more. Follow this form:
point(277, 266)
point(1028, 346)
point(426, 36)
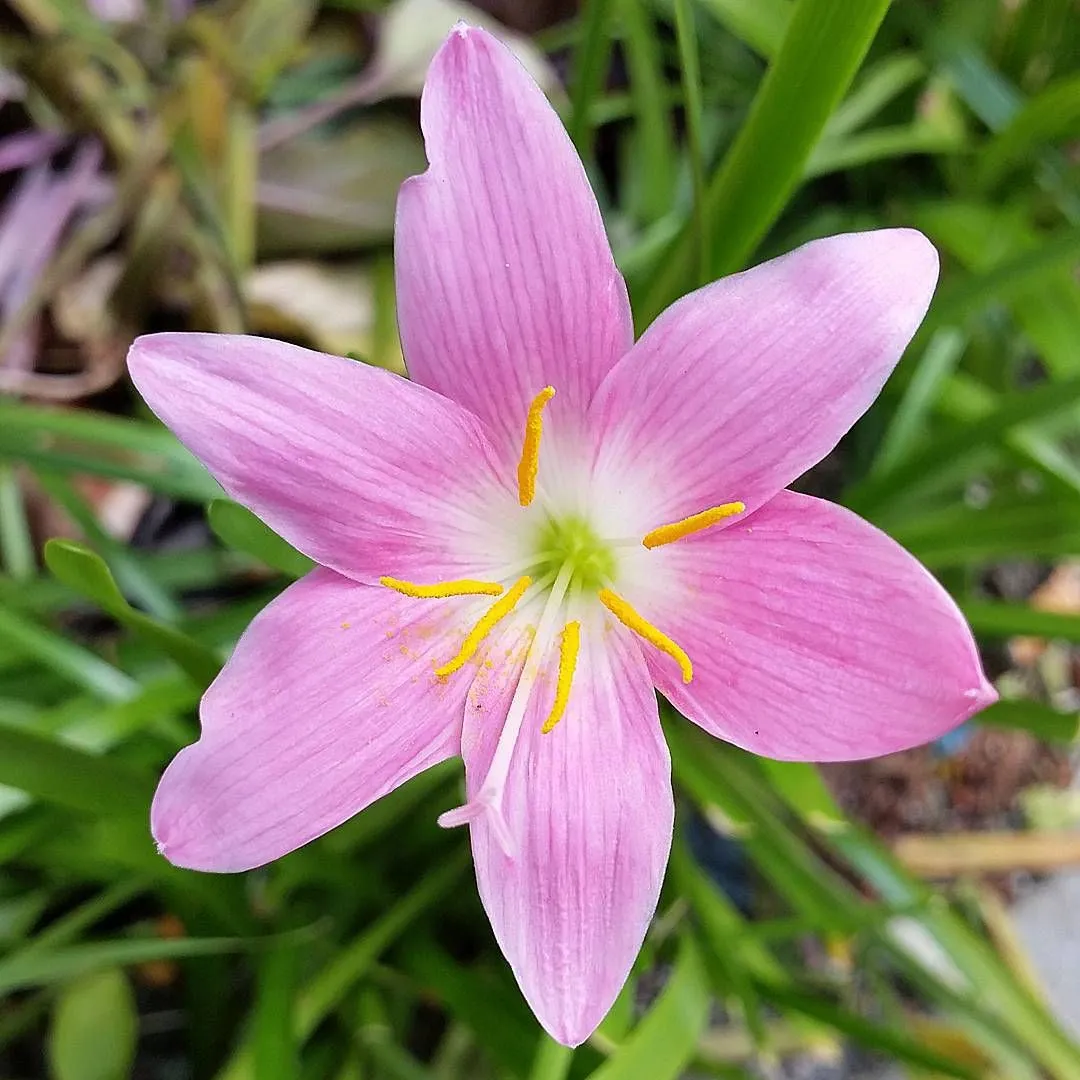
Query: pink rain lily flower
point(546, 523)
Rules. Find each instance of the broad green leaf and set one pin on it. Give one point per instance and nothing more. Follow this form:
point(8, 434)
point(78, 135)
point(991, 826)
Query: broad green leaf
point(663, 1043)
point(50, 770)
point(821, 52)
point(239, 528)
point(94, 1030)
point(85, 571)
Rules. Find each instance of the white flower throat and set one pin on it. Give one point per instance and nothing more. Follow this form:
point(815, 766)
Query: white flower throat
point(567, 562)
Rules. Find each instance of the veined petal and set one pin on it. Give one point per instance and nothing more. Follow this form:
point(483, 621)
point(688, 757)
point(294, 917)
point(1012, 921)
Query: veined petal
point(740, 387)
point(360, 469)
point(589, 811)
point(505, 280)
point(814, 636)
point(328, 702)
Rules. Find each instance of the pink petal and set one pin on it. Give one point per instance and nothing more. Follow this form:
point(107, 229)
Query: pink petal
point(358, 468)
point(589, 813)
point(505, 280)
point(328, 703)
point(740, 387)
point(813, 635)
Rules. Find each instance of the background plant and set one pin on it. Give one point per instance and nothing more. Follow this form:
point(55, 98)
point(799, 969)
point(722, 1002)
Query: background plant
point(233, 166)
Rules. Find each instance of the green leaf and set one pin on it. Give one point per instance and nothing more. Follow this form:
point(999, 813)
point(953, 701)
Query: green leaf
point(651, 189)
point(820, 55)
point(16, 543)
point(908, 419)
point(997, 619)
point(58, 773)
point(94, 1030)
point(83, 442)
point(876, 1037)
point(881, 83)
point(590, 64)
point(74, 663)
point(837, 155)
point(239, 528)
point(552, 1061)
point(663, 1043)
point(941, 453)
point(1041, 720)
point(38, 968)
point(691, 83)
point(801, 786)
point(142, 586)
point(1052, 114)
point(276, 1048)
point(85, 571)
point(761, 24)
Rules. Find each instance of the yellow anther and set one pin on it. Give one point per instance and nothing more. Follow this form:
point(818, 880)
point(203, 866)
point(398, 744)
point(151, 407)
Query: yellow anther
point(465, 587)
point(568, 654)
point(641, 626)
point(499, 610)
point(666, 534)
point(529, 465)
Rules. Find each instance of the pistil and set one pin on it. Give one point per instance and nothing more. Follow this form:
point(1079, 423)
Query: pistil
point(488, 798)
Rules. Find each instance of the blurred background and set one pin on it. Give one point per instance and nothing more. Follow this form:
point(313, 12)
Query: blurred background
point(233, 165)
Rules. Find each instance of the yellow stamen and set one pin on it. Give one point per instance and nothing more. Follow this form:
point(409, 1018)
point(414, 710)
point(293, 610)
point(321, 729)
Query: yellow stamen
point(666, 534)
point(568, 654)
point(465, 587)
point(529, 465)
point(640, 625)
point(499, 610)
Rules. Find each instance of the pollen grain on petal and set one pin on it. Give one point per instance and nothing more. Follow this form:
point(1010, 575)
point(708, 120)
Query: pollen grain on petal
point(569, 646)
point(499, 610)
point(633, 620)
point(667, 534)
point(463, 587)
point(529, 465)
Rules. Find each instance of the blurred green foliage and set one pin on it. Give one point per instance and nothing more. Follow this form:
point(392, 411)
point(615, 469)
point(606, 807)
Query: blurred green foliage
point(717, 132)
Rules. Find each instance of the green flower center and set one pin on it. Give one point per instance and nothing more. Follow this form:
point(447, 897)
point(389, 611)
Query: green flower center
point(572, 542)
